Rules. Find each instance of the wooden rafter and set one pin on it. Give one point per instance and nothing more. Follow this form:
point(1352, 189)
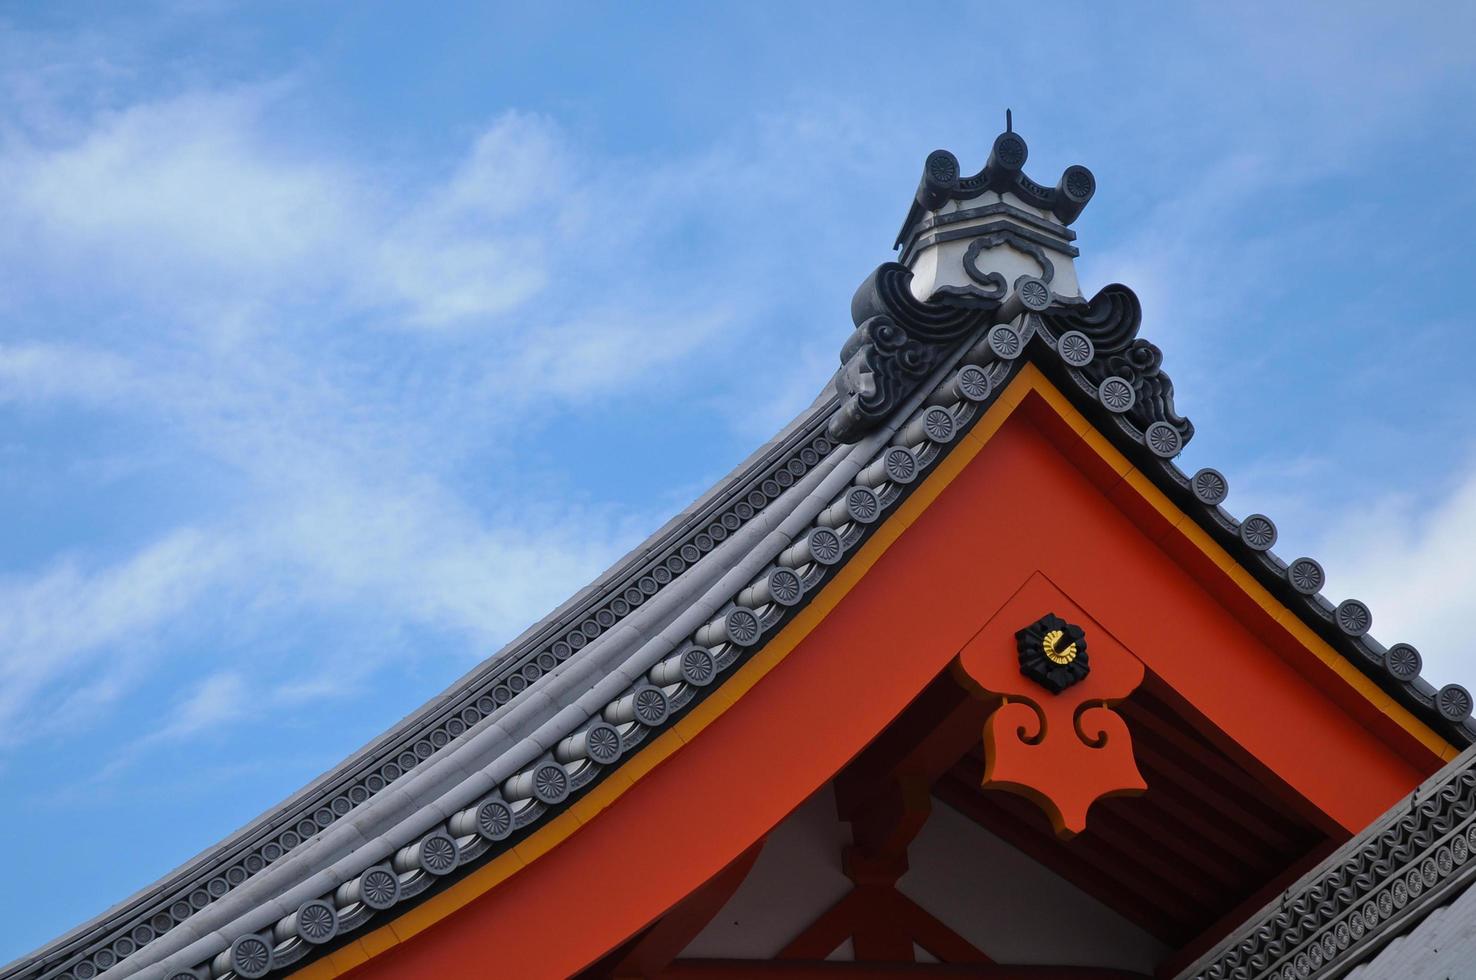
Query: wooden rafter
point(654, 949)
point(883, 925)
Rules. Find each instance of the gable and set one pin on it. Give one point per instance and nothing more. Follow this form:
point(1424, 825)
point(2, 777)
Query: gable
point(1031, 495)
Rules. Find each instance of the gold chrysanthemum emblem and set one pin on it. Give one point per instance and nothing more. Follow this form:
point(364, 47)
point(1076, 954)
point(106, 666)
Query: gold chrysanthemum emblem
point(1054, 651)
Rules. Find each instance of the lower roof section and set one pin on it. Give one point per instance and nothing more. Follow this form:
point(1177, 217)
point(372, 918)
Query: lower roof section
point(1442, 946)
point(1394, 902)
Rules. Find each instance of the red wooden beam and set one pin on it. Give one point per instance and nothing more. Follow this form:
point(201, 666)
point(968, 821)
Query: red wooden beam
point(883, 925)
point(942, 723)
point(829, 970)
point(888, 752)
point(1269, 799)
point(1163, 700)
point(934, 935)
point(821, 938)
point(1159, 762)
point(877, 935)
point(674, 931)
point(1183, 810)
point(1149, 855)
point(1174, 742)
point(1147, 818)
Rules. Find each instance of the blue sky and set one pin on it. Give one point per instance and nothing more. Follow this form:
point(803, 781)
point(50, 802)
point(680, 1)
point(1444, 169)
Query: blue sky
point(340, 342)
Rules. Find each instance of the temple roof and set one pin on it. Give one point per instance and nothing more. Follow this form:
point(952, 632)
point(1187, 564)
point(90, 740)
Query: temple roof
point(513, 742)
point(1392, 902)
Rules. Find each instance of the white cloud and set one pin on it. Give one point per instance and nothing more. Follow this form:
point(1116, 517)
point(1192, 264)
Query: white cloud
point(73, 634)
point(42, 372)
point(195, 203)
point(484, 242)
point(520, 165)
point(1410, 560)
point(181, 187)
point(1407, 554)
point(218, 700)
point(259, 268)
point(412, 547)
point(605, 351)
point(215, 703)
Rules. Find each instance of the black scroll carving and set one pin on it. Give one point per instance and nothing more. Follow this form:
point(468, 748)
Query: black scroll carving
point(1112, 320)
point(898, 339)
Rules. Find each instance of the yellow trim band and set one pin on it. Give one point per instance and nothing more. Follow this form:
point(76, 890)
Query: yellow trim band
point(1030, 379)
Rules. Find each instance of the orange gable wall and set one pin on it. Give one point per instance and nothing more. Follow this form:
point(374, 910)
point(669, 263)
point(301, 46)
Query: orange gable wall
point(1032, 491)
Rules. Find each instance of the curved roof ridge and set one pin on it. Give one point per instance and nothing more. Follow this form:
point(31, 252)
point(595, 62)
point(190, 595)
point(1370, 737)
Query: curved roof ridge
point(692, 528)
point(512, 738)
point(530, 727)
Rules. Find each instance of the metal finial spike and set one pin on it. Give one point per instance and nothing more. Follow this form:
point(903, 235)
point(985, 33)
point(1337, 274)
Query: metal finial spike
point(1009, 122)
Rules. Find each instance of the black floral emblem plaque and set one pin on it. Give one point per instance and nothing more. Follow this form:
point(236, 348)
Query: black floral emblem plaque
point(1053, 653)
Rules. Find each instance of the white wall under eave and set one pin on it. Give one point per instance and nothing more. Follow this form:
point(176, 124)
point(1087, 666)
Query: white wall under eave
point(1010, 907)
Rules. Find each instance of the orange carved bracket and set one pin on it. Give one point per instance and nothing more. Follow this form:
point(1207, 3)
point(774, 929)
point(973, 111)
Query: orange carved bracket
point(1064, 749)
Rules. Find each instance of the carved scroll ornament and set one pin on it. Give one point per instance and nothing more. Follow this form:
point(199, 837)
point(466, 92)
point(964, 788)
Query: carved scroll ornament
point(1054, 737)
point(897, 341)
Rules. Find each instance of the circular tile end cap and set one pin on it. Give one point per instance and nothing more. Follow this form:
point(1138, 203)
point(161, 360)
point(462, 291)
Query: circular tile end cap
point(1076, 348)
point(1354, 618)
point(1403, 661)
point(1164, 440)
point(1306, 576)
point(1210, 486)
point(1258, 532)
point(1454, 702)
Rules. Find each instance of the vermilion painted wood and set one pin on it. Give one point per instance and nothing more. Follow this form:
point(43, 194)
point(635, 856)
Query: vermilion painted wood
point(1206, 940)
point(831, 928)
point(665, 940)
point(1063, 751)
point(780, 970)
point(1020, 507)
point(937, 937)
point(1205, 575)
point(872, 911)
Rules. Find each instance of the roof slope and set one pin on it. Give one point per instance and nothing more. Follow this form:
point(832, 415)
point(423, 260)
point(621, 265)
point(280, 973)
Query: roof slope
point(554, 712)
point(1440, 947)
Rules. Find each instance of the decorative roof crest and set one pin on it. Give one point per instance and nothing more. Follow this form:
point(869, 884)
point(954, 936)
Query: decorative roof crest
point(971, 238)
point(990, 255)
